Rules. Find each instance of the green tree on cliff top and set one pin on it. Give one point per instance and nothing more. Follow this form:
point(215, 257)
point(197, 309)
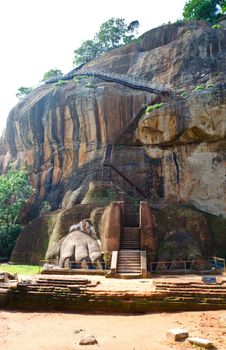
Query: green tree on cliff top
point(112, 33)
point(52, 73)
point(209, 10)
point(23, 91)
point(14, 192)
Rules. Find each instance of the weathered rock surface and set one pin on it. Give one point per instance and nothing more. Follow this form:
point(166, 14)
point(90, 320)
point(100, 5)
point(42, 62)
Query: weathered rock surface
point(59, 133)
point(175, 154)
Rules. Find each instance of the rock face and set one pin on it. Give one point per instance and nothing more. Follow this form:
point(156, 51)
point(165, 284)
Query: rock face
point(173, 154)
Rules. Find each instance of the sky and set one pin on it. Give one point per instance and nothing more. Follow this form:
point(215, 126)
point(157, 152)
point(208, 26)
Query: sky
point(38, 35)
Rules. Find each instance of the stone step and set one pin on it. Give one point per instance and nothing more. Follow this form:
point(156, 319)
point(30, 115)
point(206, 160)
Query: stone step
point(130, 243)
point(131, 229)
point(128, 264)
point(127, 241)
point(130, 247)
point(128, 271)
point(130, 239)
point(129, 259)
point(130, 253)
point(125, 246)
point(62, 281)
point(129, 235)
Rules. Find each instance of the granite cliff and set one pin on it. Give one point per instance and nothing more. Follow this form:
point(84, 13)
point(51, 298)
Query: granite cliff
point(172, 152)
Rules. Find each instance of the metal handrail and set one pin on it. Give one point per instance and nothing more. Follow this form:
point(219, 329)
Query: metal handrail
point(167, 266)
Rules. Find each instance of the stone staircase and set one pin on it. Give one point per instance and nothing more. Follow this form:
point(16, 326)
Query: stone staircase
point(129, 257)
point(193, 292)
point(130, 238)
point(128, 262)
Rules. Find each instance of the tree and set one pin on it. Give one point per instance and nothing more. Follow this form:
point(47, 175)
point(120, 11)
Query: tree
point(52, 73)
point(14, 192)
point(86, 52)
point(23, 91)
point(209, 10)
point(112, 33)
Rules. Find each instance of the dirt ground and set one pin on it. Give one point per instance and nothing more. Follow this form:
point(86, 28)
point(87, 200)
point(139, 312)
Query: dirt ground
point(61, 331)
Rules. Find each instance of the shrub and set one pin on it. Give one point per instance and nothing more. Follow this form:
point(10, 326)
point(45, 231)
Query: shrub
point(184, 94)
point(76, 79)
point(61, 82)
point(200, 87)
point(90, 85)
point(216, 26)
point(153, 107)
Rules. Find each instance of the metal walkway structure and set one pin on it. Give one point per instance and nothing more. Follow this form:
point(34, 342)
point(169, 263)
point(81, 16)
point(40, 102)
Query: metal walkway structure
point(123, 79)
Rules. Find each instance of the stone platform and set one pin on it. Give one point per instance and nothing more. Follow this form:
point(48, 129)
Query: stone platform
point(96, 294)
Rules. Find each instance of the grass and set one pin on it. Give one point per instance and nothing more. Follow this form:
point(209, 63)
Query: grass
point(21, 269)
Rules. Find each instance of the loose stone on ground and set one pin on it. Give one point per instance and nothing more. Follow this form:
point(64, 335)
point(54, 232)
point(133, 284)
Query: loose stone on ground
point(177, 334)
point(90, 340)
point(205, 343)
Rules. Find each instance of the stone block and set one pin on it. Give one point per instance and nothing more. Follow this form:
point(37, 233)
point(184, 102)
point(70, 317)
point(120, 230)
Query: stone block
point(90, 340)
point(205, 343)
point(177, 334)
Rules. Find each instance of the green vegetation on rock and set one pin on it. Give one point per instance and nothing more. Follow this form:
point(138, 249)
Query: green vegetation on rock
point(200, 87)
point(101, 196)
point(61, 82)
point(203, 87)
point(185, 94)
point(153, 107)
point(216, 26)
point(90, 85)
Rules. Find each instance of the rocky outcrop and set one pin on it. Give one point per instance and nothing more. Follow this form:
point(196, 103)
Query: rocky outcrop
point(173, 154)
point(189, 137)
point(59, 133)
